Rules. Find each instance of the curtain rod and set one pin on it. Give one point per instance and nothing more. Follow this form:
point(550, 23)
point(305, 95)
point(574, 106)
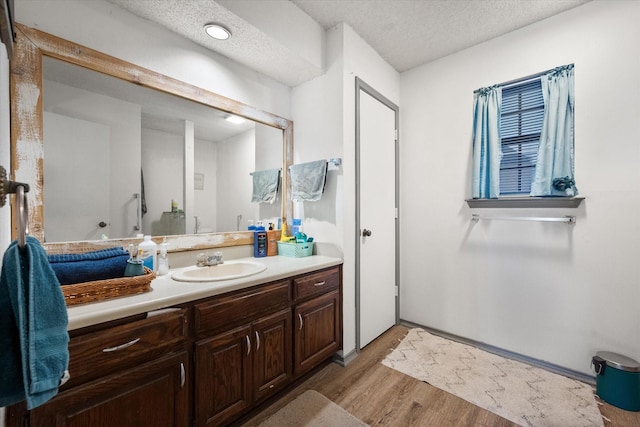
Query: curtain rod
point(522, 79)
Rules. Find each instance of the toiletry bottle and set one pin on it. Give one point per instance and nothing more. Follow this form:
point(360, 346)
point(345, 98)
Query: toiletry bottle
point(251, 227)
point(149, 253)
point(174, 205)
point(163, 259)
point(272, 241)
point(260, 242)
point(295, 226)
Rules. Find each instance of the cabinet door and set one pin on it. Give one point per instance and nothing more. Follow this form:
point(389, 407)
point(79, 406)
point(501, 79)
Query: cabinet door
point(223, 376)
point(317, 334)
point(152, 394)
point(272, 356)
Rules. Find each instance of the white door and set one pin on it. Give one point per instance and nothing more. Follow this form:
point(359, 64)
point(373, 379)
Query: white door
point(76, 164)
point(377, 217)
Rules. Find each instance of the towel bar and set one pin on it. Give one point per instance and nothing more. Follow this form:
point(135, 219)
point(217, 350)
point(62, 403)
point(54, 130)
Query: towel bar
point(19, 189)
point(569, 219)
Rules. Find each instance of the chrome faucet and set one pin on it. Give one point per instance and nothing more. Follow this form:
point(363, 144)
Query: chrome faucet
point(205, 260)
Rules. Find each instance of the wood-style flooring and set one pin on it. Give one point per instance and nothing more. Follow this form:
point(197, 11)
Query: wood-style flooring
point(381, 396)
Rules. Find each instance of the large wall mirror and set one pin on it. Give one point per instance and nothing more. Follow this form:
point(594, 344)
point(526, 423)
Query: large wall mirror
point(112, 150)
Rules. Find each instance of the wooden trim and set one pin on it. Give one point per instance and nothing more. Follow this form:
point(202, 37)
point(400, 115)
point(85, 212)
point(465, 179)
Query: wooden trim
point(27, 152)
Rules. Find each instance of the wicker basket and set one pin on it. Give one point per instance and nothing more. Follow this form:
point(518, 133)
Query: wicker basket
point(98, 290)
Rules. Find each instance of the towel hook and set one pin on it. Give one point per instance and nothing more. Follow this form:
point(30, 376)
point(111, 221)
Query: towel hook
point(19, 189)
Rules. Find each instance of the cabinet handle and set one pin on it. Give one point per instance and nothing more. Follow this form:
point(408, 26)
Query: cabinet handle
point(300, 318)
point(121, 346)
point(257, 341)
point(248, 344)
point(319, 283)
point(183, 375)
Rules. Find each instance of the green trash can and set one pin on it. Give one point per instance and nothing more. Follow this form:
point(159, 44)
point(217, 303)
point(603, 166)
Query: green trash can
point(617, 380)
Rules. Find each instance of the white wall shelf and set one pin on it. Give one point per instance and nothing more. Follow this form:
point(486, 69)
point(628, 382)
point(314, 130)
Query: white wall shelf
point(526, 202)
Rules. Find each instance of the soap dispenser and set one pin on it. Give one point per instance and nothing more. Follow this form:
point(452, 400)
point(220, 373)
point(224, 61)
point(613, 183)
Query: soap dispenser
point(163, 259)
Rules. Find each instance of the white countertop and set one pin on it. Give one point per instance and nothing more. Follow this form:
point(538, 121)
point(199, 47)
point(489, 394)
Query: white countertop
point(167, 292)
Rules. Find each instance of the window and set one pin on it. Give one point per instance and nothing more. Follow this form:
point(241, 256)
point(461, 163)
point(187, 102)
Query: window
point(509, 122)
point(521, 119)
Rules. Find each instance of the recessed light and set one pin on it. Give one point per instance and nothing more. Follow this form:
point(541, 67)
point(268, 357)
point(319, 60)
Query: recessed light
point(235, 119)
point(217, 31)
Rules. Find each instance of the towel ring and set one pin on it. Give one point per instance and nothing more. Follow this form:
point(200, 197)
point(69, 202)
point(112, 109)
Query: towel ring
point(20, 190)
point(23, 216)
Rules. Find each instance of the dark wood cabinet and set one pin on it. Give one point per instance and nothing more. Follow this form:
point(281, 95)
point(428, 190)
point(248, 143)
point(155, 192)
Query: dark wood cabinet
point(222, 377)
point(240, 367)
point(205, 363)
point(272, 367)
point(151, 394)
point(317, 333)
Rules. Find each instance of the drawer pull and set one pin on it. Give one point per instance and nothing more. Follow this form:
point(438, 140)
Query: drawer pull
point(300, 318)
point(319, 283)
point(121, 346)
point(257, 341)
point(183, 375)
point(248, 344)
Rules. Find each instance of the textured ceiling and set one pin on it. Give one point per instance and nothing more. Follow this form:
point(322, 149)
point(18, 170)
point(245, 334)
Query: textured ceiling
point(409, 33)
point(406, 33)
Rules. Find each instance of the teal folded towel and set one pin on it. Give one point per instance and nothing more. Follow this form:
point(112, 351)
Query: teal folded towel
point(265, 185)
point(308, 180)
point(87, 267)
point(34, 340)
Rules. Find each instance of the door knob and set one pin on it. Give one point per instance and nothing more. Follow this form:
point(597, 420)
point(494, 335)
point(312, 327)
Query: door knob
point(102, 224)
point(366, 233)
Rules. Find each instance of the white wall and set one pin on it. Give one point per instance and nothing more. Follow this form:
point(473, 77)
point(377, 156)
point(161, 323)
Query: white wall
point(324, 117)
point(549, 291)
point(236, 161)
point(162, 164)
point(269, 156)
point(124, 122)
point(205, 199)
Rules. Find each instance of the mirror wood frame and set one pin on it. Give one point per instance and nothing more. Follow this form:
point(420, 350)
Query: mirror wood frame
point(27, 153)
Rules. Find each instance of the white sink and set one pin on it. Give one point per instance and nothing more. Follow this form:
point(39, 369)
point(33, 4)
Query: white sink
point(228, 270)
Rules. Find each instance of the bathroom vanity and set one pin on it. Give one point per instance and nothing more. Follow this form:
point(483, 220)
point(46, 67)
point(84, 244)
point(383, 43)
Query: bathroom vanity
point(196, 353)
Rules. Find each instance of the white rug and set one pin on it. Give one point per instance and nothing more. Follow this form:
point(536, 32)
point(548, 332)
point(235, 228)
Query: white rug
point(312, 409)
point(523, 394)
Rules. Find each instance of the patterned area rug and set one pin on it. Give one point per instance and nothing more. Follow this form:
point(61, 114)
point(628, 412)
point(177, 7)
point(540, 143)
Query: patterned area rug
point(311, 409)
point(523, 394)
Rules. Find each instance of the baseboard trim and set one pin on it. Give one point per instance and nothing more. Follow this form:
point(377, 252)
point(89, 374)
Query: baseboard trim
point(570, 373)
point(343, 360)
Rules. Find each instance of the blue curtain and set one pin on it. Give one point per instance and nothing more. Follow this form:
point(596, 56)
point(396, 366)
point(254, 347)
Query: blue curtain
point(487, 152)
point(554, 168)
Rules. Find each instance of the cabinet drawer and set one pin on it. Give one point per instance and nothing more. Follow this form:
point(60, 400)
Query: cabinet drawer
point(227, 312)
point(316, 283)
point(101, 352)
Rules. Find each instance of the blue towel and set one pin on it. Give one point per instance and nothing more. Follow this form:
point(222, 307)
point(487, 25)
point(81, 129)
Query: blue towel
point(265, 185)
point(307, 180)
point(34, 355)
point(98, 265)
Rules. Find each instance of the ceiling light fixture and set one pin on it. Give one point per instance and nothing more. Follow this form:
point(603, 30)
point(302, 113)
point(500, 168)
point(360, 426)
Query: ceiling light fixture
point(235, 119)
point(217, 31)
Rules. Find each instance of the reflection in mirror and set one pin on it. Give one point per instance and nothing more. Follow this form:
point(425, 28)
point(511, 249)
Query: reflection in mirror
point(121, 159)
